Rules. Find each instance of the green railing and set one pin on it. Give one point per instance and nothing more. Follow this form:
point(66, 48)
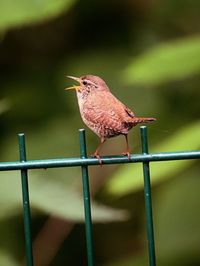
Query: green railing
point(83, 161)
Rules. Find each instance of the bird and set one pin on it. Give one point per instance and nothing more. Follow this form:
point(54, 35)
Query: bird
point(102, 112)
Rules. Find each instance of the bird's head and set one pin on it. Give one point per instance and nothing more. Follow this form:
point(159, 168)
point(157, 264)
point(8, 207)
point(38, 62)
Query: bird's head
point(88, 84)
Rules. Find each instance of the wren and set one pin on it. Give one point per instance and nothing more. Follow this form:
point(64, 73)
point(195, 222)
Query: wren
point(102, 112)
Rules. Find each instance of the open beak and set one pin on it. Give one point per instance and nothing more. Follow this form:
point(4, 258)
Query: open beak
point(74, 87)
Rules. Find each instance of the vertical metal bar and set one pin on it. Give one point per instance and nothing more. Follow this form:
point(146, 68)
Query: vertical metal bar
point(26, 204)
point(148, 201)
point(86, 196)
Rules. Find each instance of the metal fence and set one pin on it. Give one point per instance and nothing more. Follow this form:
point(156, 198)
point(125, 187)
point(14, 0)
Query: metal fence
point(83, 161)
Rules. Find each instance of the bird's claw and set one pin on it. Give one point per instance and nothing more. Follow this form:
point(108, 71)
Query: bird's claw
point(96, 155)
point(127, 153)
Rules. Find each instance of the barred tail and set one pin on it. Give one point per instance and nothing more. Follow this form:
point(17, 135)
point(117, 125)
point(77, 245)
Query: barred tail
point(137, 120)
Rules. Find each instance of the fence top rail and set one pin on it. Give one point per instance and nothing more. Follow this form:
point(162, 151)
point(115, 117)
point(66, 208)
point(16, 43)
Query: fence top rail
point(72, 162)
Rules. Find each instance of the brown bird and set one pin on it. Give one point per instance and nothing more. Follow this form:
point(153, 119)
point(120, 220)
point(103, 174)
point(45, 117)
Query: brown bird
point(102, 112)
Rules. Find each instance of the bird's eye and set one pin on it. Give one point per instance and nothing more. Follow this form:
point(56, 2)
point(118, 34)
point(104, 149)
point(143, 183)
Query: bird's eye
point(84, 82)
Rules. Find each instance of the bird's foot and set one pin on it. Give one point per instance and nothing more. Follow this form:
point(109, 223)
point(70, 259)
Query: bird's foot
point(127, 153)
point(96, 155)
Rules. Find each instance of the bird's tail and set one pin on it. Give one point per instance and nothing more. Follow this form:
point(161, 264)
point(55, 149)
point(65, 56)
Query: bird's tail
point(137, 120)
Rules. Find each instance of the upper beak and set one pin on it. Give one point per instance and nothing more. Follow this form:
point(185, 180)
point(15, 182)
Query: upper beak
point(74, 87)
point(74, 78)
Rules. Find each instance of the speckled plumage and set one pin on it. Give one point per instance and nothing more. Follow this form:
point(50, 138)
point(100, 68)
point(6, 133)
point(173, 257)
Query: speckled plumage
point(102, 112)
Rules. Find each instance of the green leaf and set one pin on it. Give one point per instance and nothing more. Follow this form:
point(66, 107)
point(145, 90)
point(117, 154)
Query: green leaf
point(52, 195)
point(22, 12)
point(129, 178)
point(7, 259)
point(165, 62)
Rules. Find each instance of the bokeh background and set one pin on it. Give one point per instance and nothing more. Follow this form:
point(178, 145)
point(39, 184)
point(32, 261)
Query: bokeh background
point(148, 52)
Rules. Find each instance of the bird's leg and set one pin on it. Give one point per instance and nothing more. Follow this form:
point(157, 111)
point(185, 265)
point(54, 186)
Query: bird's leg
point(127, 153)
point(96, 153)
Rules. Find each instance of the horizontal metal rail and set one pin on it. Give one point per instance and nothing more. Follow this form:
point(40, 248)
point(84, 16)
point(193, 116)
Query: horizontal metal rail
point(72, 162)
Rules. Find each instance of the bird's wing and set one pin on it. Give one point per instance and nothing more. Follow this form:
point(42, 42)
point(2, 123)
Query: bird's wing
point(128, 111)
point(108, 110)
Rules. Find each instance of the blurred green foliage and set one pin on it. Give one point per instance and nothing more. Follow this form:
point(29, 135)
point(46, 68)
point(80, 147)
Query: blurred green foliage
point(20, 12)
point(160, 64)
point(50, 196)
point(148, 53)
point(132, 180)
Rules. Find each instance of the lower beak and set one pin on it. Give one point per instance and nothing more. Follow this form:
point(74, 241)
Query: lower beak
point(77, 88)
